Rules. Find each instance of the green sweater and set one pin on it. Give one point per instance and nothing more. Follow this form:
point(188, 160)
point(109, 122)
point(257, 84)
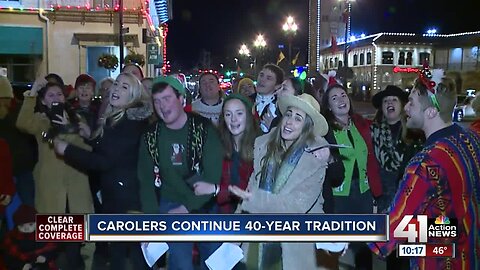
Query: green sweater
point(174, 168)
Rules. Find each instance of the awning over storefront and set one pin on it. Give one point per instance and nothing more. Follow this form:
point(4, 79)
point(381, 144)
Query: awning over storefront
point(164, 10)
point(106, 38)
point(21, 40)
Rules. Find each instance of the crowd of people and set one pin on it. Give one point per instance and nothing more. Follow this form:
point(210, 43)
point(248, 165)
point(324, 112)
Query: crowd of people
point(279, 145)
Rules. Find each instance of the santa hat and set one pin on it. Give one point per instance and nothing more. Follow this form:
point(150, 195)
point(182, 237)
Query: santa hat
point(6, 90)
point(331, 79)
point(24, 214)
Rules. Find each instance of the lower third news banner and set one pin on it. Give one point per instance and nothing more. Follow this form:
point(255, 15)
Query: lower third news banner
point(237, 228)
point(55, 228)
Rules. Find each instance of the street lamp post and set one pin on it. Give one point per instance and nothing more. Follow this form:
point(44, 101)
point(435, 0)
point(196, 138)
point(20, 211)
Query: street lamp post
point(259, 43)
point(290, 28)
point(244, 51)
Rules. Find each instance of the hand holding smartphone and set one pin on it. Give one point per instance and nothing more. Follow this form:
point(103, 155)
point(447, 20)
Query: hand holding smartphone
point(57, 108)
point(57, 114)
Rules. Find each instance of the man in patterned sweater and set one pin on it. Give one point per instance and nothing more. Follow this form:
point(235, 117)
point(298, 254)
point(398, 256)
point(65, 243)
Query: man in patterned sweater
point(442, 179)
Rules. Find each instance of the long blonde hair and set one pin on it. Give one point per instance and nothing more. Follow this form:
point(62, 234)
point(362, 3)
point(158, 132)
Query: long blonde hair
point(113, 114)
point(277, 151)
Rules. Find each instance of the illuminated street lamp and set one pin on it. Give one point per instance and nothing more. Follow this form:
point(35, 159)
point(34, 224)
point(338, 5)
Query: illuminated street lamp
point(290, 25)
point(244, 50)
point(290, 28)
point(259, 44)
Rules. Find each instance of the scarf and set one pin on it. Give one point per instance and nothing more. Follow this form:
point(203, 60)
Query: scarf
point(274, 182)
point(385, 146)
point(263, 103)
point(268, 256)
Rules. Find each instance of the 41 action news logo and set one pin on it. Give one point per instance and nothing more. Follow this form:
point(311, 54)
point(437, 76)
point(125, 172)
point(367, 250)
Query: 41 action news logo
point(421, 228)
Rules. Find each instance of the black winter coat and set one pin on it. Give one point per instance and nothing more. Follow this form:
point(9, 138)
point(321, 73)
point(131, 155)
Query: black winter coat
point(114, 157)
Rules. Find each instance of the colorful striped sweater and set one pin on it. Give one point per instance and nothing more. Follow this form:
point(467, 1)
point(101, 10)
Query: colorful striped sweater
point(442, 179)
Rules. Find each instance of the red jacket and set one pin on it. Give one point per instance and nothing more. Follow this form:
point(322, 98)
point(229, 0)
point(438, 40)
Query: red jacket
point(7, 186)
point(225, 199)
point(373, 168)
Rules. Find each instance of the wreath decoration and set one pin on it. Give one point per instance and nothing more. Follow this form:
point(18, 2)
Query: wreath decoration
point(108, 61)
point(135, 58)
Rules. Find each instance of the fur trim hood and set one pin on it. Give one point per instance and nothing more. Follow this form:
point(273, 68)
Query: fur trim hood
point(140, 110)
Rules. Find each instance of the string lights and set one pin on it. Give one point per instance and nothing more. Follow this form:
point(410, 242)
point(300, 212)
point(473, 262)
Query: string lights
point(144, 8)
point(163, 34)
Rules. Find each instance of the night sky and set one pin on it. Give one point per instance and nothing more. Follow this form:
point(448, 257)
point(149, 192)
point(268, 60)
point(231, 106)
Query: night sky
point(221, 26)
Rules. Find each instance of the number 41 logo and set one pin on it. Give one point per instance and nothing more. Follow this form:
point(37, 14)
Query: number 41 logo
point(412, 229)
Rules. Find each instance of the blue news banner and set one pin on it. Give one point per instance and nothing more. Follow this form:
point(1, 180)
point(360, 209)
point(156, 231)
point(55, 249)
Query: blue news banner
point(236, 228)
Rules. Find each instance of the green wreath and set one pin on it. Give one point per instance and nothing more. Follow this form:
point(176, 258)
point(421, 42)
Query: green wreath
point(135, 58)
point(108, 61)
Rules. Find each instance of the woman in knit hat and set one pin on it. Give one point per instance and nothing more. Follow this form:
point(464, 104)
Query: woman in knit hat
point(247, 88)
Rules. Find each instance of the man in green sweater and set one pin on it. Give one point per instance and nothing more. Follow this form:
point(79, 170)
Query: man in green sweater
point(176, 152)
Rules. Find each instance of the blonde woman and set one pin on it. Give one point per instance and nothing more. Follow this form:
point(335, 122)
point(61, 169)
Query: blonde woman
point(287, 178)
point(115, 143)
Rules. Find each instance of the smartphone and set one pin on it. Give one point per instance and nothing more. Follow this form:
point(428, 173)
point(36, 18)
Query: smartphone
point(57, 108)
